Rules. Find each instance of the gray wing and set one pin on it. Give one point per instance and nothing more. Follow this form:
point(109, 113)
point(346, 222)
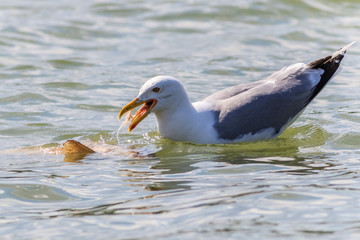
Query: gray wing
point(270, 103)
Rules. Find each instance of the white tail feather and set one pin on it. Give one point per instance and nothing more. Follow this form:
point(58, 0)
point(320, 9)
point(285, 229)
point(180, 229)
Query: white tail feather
point(342, 51)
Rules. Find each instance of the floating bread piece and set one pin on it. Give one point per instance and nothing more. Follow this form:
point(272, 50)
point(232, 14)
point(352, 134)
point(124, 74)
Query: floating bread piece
point(72, 146)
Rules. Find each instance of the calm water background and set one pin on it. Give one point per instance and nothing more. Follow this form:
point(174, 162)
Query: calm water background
point(67, 67)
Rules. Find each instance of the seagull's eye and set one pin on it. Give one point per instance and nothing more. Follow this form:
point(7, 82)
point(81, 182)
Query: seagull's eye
point(156, 89)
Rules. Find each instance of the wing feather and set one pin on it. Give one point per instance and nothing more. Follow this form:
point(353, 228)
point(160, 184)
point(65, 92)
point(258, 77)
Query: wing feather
point(270, 103)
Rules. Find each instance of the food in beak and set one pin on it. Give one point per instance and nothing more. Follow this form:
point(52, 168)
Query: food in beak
point(141, 113)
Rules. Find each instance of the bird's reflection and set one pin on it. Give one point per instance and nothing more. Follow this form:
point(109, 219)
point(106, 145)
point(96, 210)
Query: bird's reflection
point(177, 158)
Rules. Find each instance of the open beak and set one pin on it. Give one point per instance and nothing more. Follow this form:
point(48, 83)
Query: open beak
point(141, 113)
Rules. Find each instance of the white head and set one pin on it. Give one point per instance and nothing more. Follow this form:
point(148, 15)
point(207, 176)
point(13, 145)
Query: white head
point(158, 94)
point(165, 90)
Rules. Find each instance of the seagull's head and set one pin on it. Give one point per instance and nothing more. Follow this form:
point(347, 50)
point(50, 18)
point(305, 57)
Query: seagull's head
point(157, 94)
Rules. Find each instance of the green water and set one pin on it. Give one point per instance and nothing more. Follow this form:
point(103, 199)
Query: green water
point(67, 68)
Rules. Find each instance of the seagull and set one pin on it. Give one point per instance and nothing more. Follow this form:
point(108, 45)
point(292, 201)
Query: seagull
point(254, 111)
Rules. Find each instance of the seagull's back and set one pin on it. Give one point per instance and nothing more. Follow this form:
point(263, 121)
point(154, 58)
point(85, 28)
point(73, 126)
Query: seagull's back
point(263, 109)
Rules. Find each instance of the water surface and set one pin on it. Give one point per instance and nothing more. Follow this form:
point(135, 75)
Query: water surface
point(67, 67)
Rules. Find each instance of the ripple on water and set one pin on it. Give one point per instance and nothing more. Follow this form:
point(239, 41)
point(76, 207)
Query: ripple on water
point(24, 68)
point(34, 193)
point(347, 141)
point(117, 10)
point(67, 85)
point(98, 108)
point(76, 32)
point(69, 63)
point(25, 98)
point(291, 196)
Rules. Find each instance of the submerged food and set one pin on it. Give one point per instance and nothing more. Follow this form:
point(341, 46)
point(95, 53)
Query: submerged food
point(72, 146)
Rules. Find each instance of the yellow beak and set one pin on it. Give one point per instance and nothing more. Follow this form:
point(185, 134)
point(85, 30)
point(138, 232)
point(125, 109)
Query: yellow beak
point(140, 114)
point(131, 105)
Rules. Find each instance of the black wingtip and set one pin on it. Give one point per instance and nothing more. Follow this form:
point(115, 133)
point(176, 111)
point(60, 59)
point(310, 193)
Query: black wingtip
point(330, 65)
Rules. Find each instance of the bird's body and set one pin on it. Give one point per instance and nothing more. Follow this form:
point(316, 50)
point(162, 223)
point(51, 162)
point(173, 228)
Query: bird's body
point(193, 123)
point(247, 112)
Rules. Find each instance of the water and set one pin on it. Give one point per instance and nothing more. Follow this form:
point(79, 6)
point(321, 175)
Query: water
point(67, 67)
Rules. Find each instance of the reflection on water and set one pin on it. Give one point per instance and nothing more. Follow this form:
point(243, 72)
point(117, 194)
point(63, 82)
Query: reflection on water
point(74, 157)
point(179, 157)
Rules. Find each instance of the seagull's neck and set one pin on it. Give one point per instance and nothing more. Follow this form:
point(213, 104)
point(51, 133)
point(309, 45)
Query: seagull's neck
point(173, 122)
point(185, 121)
